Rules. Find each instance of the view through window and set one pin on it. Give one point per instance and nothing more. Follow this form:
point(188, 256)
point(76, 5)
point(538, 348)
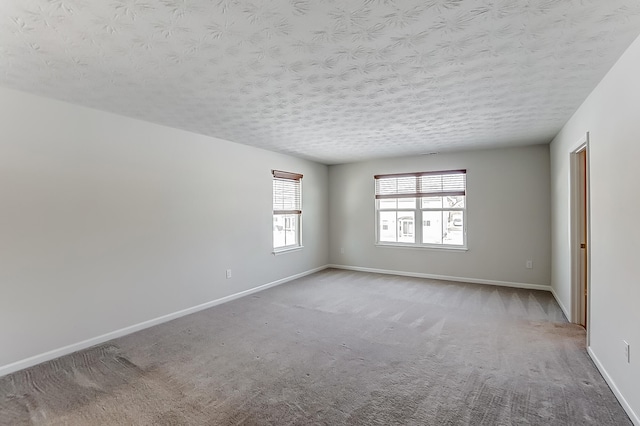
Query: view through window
point(421, 209)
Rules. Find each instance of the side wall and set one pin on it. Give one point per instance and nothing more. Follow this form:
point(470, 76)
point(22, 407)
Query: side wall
point(508, 217)
point(107, 222)
point(610, 115)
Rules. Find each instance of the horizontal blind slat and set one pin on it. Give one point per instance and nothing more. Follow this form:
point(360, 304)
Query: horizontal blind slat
point(442, 172)
point(422, 194)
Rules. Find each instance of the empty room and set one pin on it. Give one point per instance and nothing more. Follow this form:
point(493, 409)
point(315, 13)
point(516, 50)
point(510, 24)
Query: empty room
point(297, 212)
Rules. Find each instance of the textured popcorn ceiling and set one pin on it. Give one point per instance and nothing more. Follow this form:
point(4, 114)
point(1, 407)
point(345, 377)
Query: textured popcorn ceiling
point(333, 81)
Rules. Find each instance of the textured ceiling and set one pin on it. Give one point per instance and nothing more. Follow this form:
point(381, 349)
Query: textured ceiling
point(333, 81)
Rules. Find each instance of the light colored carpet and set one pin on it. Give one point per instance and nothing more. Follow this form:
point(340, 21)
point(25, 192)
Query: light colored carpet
point(333, 348)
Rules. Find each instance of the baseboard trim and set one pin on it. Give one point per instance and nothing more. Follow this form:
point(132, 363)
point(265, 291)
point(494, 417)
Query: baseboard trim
point(56, 353)
point(564, 309)
point(632, 415)
point(443, 277)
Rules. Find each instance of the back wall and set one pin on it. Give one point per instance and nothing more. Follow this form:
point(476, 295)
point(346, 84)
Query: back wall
point(508, 217)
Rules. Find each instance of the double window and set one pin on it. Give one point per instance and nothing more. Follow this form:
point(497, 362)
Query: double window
point(287, 210)
point(426, 209)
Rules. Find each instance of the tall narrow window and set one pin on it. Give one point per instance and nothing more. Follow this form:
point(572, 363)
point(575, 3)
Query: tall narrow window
point(287, 210)
point(422, 209)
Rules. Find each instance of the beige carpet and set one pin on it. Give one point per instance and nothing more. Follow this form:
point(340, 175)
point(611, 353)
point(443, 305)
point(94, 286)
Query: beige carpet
point(333, 348)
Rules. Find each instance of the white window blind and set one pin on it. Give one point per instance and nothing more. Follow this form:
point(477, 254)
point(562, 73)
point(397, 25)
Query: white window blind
point(424, 184)
point(286, 192)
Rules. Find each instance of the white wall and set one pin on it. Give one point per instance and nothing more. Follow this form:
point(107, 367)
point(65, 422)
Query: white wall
point(107, 221)
point(610, 115)
point(508, 216)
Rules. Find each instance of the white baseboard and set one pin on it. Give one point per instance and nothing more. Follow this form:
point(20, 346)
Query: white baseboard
point(443, 277)
point(56, 353)
point(564, 309)
point(632, 415)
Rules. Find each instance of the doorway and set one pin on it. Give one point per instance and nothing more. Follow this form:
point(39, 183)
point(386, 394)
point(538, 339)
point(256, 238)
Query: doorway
point(580, 241)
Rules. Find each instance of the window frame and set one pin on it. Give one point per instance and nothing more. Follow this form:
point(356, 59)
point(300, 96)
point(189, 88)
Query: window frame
point(418, 210)
point(293, 209)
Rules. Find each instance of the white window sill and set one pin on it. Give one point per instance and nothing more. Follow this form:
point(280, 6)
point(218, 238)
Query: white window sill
point(284, 250)
point(422, 247)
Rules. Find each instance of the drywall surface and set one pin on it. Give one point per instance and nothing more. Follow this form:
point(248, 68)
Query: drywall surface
point(508, 216)
point(610, 115)
point(106, 222)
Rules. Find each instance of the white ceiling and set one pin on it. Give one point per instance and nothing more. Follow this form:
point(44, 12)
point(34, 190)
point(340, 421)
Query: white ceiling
point(334, 81)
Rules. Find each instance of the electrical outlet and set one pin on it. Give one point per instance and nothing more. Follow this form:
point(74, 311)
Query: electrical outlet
point(627, 355)
point(228, 273)
point(529, 264)
point(341, 250)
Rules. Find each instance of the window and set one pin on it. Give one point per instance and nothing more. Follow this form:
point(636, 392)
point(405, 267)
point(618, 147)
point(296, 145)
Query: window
point(426, 209)
point(287, 210)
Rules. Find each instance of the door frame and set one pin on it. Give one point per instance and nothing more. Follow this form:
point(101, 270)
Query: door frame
point(577, 295)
